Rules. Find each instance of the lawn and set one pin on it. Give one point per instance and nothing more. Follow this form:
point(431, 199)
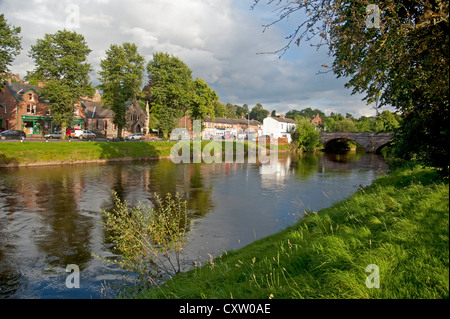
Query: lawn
point(32, 153)
point(41, 152)
point(399, 225)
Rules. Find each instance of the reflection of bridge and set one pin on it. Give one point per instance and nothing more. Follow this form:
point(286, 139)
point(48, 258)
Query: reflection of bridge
point(372, 142)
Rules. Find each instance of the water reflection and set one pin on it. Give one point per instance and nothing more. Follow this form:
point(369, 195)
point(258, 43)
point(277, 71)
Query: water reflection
point(51, 216)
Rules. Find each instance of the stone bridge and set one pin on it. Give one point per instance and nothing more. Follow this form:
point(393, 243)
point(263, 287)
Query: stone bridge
point(372, 142)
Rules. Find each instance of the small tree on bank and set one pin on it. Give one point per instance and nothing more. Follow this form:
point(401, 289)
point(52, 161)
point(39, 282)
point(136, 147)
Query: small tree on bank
point(305, 135)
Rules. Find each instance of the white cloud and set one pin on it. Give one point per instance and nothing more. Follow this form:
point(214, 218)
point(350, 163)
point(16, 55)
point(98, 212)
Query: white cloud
point(219, 40)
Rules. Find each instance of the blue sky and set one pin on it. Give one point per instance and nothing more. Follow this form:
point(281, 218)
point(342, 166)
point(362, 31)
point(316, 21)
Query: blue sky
point(218, 39)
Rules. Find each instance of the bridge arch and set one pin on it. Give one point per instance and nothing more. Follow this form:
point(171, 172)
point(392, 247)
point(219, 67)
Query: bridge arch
point(370, 141)
point(340, 143)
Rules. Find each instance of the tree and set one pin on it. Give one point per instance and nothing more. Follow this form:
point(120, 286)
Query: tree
point(166, 121)
point(203, 102)
point(386, 122)
point(346, 125)
point(241, 111)
point(305, 135)
point(396, 52)
point(258, 113)
point(171, 83)
point(230, 111)
point(10, 44)
point(121, 78)
point(61, 61)
point(219, 109)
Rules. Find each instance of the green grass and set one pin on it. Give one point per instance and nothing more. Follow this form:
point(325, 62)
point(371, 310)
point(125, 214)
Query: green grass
point(34, 153)
point(400, 223)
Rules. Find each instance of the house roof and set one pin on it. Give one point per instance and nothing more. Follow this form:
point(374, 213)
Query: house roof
point(96, 110)
point(223, 120)
point(283, 120)
point(19, 89)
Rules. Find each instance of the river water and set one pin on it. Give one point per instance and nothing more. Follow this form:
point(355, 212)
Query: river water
point(51, 217)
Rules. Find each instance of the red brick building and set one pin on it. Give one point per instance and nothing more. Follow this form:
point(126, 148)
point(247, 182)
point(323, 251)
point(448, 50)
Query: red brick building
point(22, 108)
point(317, 120)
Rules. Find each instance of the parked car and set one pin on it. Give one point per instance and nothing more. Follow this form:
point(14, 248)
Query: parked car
point(13, 134)
point(2, 129)
point(84, 134)
point(135, 136)
point(53, 135)
point(71, 132)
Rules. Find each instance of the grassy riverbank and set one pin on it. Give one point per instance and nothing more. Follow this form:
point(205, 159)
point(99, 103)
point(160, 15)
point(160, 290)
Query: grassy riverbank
point(29, 153)
point(37, 153)
point(400, 223)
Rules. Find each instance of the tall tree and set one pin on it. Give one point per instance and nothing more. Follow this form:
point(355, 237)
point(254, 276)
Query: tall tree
point(61, 60)
point(203, 101)
point(396, 52)
point(121, 79)
point(219, 109)
point(258, 113)
point(230, 111)
point(10, 45)
point(171, 83)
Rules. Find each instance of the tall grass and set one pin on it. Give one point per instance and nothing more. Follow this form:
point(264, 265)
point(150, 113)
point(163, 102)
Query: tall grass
point(400, 223)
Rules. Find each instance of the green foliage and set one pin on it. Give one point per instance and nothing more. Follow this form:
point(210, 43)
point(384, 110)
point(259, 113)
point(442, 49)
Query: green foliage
point(346, 125)
point(61, 60)
point(173, 93)
point(219, 109)
point(400, 223)
point(149, 239)
point(403, 63)
point(166, 121)
point(203, 100)
point(121, 78)
point(305, 134)
point(230, 111)
point(258, 113)
point(171, 82)
point(10, 44)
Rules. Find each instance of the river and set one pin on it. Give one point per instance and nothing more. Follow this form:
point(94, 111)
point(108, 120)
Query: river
point(51, 217)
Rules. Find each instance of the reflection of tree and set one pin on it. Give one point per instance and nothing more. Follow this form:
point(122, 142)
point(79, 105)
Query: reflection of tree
point(305, 164)
point(65, 231)
point(199, 197)
point(9, 274)
point(186, 179)
point(344, 157)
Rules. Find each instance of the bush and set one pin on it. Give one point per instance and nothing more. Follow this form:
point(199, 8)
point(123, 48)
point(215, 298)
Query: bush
point(305, 135)
point(149, 240)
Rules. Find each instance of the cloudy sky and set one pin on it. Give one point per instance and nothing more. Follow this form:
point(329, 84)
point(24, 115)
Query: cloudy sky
point(220, 40)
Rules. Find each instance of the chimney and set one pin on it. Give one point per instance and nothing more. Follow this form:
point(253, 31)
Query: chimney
point(282, 116)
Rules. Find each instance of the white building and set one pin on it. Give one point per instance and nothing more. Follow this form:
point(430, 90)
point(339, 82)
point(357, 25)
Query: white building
point(279, 127)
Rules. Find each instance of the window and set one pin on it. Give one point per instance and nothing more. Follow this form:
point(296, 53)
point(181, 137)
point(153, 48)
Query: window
point(30, 96)
point(77, 112)
point(48, 112)
point(31, 108)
